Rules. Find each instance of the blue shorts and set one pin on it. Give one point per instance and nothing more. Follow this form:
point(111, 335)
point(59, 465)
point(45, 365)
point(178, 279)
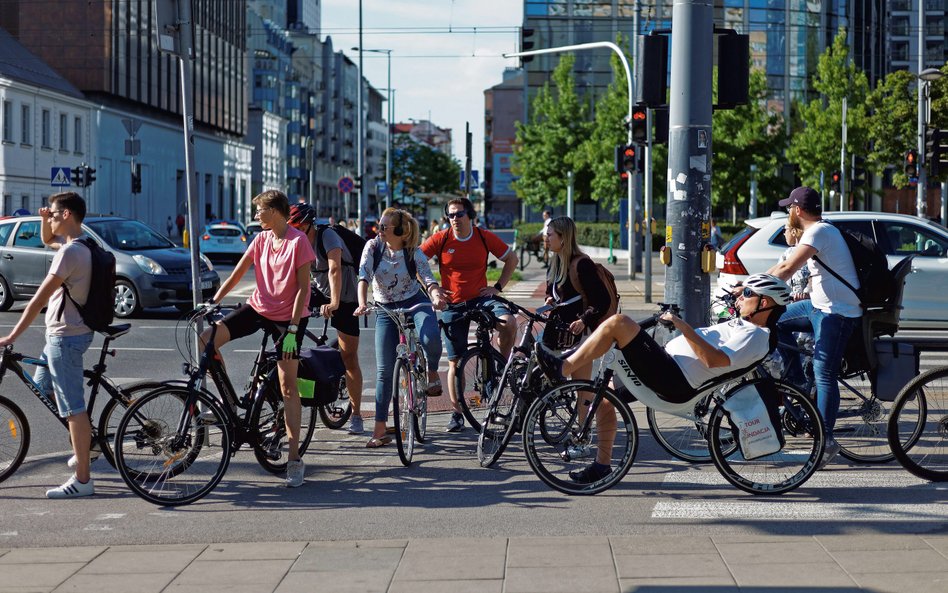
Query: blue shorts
point(456, 330)
point(63, 376)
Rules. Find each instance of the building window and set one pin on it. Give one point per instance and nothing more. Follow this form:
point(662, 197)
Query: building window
point(26, 125)
point(77, 135)
point(46, 132)
point(7, 121)
point(63, 122)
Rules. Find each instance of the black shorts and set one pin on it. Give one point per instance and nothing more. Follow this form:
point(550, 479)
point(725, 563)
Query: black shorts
point(656, 369)
point(245, 321)
point(344, 320)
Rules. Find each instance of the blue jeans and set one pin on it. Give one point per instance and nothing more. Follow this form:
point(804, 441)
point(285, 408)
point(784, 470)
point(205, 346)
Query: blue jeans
point(63, 376)
point(831, 333)
point(386, 340)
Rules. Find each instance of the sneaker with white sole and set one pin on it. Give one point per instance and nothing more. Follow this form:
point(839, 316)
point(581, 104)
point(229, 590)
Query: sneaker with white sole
point(355, 425)
point(73, 488)
point(94, 453)
point(830, 451)
point(294, 473)
point(456, 424)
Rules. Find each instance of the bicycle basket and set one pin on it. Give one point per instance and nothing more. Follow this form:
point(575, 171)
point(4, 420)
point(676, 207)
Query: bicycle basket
point(323, 367)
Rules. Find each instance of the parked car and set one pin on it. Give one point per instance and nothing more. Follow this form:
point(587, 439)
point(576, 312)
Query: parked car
point(151, 271)
point(925, 301)
point(252, 229)
point(224, 239)
point(370, 228)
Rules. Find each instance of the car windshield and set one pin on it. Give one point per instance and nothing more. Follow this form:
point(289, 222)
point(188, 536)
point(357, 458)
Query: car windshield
point(129, 235)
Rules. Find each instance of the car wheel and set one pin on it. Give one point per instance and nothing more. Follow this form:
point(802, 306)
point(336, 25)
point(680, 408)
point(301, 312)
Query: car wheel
point(126, 299)
point(6, 297)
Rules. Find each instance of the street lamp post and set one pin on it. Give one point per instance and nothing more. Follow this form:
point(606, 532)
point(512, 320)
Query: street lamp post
point(388, 133)
point(925, 79)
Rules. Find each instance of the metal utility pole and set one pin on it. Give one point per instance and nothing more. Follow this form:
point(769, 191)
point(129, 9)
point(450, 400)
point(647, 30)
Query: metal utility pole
point(920, 202)
point(468, 140)
point(689, 158)
point(647, 203)
point(359, 164)
point(752, 206)
point(842, 164)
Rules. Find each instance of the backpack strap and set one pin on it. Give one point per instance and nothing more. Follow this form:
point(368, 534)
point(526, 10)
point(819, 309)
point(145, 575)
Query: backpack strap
point(379, 251)
point(817, 259)
point(409, 255)
point(320, 248)
point(573, 271)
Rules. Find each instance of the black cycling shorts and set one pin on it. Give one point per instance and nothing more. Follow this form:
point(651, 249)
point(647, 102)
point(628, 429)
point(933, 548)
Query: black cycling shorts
point(656, 369)
point(245, 321)
point(344, 320)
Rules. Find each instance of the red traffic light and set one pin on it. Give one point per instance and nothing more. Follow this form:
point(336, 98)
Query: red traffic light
point(638, 114)
point(629, 152)
point(910, 157)
point(836, 177)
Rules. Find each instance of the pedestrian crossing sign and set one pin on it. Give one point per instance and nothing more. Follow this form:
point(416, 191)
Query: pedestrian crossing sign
point(59, 176)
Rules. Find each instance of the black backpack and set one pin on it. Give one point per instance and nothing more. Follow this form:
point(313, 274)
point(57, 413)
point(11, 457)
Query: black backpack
point(876, 282)
point(99, 309)
point(353, 242)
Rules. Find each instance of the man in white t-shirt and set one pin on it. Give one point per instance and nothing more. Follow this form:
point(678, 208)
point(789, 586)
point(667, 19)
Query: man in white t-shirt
point(832, 311)
point(676, 371)
point(547, 218)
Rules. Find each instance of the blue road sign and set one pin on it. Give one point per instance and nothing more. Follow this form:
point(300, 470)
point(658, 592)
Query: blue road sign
point(60, 177)
point(346, 185)
point(382, 188)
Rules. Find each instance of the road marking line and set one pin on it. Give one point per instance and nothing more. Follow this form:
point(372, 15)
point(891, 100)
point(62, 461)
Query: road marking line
point(797, 511)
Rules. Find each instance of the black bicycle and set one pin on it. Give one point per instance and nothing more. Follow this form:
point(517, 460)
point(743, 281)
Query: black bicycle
point(173, 445)
point(480, 365)
point(530, 248)
point(15, 433)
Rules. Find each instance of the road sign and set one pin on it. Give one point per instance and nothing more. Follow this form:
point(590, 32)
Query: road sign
point(346, 185)
point(475, 179)
point(382, 188)
point(60, 177)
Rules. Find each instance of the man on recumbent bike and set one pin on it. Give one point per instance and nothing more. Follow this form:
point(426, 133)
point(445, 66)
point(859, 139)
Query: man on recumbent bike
point(686, 362)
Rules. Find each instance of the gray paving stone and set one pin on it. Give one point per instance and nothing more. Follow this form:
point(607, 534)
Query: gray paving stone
point(116, 583)
point(792, 576)
point(865, 561)
point(253, 551)
point(670, 566)
point(721, 584)
point(37, 575)
point(447, 568)
point(900, 582)
point(450, 546)
point(661, 544)
point(120, 562)
point(382, 543)
point(478, 586)
point(316, 558)
point(237, 572)
point(51, 555)
point(871, 541)
point(563, 579)
point(158, 548)
point(358, 581)
point(799, 552)
point(594, 554)
point(218, 588)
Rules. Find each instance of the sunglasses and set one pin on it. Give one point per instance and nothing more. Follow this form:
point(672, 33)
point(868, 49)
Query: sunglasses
point(384, 227)
point(460, 214)
point(748, 293)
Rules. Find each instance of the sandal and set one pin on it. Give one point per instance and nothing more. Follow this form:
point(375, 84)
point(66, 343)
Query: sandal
point(434, 388)
point(375, 443)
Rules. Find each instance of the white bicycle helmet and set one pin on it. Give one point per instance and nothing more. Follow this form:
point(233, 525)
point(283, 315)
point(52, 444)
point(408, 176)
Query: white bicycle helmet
point(769, 286)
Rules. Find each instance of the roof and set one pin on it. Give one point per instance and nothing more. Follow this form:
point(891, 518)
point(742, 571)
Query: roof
point(18, 63)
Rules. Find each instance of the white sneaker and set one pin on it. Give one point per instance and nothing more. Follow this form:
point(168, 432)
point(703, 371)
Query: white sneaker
point(94, 454)
point(73, 488)
point(294, 473)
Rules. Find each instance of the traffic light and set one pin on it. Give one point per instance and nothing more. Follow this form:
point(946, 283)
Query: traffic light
point(835, 178)
point(137, 179)
point(858, 171)
point(911, 164)
point(639, 125)
point(526, 44)
point(78, 176)
point(90, 176)
point(934, 151)
point(626, 160)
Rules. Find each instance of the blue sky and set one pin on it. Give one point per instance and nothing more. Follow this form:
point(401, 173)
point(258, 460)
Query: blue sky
point(441, 62)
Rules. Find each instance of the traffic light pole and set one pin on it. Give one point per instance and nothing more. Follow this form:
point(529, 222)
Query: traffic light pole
point(920, 202)
point(630, 83)
point(689, 158)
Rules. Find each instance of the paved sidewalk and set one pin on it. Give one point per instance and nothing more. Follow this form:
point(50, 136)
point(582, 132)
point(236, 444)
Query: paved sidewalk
point(688, 564)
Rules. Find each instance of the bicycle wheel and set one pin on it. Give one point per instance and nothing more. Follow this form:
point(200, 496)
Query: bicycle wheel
point(113, 410)
point(419, 417)
point(499, 423)
point(524, 257)
point(167, 466)
point(778, 472)
point(861, 424)
point(335, 415)
point(684, 438)
point(268, 421)
point(477, 376)
point(14, 438)
point(918, 426)
point(402, 412)
point(557, 463)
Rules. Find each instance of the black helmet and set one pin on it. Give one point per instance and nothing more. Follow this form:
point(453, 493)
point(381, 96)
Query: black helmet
point(301, 214)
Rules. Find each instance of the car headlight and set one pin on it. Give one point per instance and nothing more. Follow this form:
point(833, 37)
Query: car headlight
point(207, 262)
point(149, 266)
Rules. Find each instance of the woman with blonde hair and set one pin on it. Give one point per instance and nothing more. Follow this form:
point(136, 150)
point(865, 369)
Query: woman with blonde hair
point(393, 263)
point(572, 282)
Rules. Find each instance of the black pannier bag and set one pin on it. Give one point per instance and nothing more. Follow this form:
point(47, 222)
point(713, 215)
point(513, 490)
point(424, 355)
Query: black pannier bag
point(320, 374)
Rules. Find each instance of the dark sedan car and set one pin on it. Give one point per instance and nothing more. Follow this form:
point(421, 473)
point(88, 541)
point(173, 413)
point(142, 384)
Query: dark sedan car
point(151, 271)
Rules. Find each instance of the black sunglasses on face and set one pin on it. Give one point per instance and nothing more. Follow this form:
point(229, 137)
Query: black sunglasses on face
point(748, 293)
point(460, 214)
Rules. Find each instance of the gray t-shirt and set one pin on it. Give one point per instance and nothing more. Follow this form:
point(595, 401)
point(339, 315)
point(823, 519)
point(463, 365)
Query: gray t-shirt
point(320, 268)
point(73, 264)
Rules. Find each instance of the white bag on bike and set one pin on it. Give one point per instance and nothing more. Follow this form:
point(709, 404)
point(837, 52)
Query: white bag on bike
point(751, 422)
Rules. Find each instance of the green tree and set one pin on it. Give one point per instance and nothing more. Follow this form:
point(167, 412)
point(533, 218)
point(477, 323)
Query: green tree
point(418, 168)
point(893, 127)
point(939, 112)
point(744, 136)
point(546, 147)
point(816, 147)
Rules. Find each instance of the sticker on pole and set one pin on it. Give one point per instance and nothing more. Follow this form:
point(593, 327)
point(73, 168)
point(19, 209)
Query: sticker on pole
point(346, 185)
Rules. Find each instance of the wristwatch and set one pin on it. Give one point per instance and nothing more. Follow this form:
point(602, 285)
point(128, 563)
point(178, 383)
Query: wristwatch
point(498, 287)
point(292, 328)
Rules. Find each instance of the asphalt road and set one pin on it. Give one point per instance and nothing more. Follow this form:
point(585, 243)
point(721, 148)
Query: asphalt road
point(352, 492)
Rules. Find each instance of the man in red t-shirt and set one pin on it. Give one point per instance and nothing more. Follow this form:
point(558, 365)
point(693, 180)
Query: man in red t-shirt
point(462, 251)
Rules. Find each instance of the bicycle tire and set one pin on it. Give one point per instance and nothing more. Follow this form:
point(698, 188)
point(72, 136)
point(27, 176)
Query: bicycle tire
point(918, 426)
point(155, 465)
point(14, 437)
point(401, 411)
point(109, 421)
point(524, 257)
point(474, 385)
point(552, 463)
point(683, 438)
point(268, 423)
point(499, 423)
point(335, 415)
point(419, 416)
point(784, 470)
point(861, 427)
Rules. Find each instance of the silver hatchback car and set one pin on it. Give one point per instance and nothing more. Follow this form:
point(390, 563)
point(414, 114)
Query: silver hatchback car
point(151, 271)
point(925, 301)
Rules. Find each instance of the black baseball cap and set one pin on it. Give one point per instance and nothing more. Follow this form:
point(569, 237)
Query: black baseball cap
point(804, 197)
